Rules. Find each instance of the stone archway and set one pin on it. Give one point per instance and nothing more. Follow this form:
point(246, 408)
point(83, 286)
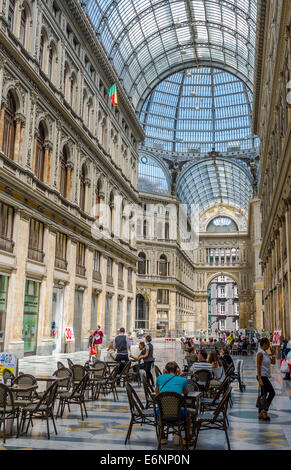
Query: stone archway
point(142, 312)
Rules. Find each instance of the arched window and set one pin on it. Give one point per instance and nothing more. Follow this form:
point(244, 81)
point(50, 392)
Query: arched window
point(83, 187)
point(64, 172)
point(65, 84)
point(98, 199)
point(23, 24)
point(40, 153)
point(142, 264)
point(111, 213)
point(163, 266)
point(41, 51)
point(50, 63)
point(73, 93)
point(9, 127)
point(167, 231)
point(11, 13)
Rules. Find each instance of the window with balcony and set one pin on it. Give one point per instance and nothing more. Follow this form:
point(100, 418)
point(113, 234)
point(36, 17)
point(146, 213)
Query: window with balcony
point(80, 259)
point(120, 276)
point(129, 280)
point(61, 251)
point(40, 153)
point(6, 227)
point(96, 266)
point(35, 244)
point(110, 271)
point(163, 296)
point(142, 264)
point(163, 266)
point(64, 172)
point(9, 127)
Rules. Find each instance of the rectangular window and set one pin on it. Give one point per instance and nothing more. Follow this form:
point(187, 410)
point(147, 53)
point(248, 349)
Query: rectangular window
point(80, 259)
point(163, 296)
point(6, 227)
point(61, 251)
point(30, 316)
point(35, 244)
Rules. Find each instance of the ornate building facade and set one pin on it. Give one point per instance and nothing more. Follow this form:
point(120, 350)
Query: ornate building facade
point(272, 122)
point(64, 150)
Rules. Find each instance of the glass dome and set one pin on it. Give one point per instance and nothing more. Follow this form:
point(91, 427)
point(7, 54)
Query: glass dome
point(199, 109)
point(152, 177)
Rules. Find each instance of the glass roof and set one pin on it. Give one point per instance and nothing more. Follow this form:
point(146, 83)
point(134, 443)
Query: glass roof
point(152, 177)
point(213, 182)
point(150, 39)
point(198, 109)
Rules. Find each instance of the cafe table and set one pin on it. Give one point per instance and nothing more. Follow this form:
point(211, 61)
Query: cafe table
point(48, 379)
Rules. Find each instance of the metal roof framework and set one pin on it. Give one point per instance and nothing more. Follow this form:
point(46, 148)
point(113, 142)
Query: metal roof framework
point(148, 40)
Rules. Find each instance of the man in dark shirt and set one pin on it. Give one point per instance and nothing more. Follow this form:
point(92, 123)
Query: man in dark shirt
point(122, 346)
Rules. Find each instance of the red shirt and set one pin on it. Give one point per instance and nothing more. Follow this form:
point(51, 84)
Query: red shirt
point(98, 337)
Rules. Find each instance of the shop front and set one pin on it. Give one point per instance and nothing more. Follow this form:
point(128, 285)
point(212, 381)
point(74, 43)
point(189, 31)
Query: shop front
point(162, 323)
point(57, 319)
point(30, 317)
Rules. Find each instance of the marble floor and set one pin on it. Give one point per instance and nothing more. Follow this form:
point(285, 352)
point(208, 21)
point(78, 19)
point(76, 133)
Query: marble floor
point(107, 422)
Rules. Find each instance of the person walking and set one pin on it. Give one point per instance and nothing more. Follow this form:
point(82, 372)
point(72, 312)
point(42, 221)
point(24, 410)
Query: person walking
point(98, 339)
point(264, 362)
point(122, 346)
point(285, 351)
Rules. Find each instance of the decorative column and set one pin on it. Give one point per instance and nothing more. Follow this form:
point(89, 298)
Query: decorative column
point(16, 288)
point(70, 169)
point(44, 343)
point(47, 161)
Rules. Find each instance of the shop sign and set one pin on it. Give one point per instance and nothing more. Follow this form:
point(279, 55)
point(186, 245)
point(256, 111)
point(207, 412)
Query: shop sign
point(7, 361)
point(69, 334)
point(276, 338)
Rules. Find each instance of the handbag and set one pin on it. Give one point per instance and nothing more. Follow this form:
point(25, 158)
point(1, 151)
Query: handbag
point(261, 403)
point(284, 367)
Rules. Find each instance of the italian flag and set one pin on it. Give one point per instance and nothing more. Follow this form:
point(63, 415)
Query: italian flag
point(112, 92)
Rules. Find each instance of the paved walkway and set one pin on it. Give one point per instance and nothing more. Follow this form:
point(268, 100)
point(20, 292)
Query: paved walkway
point(107, 422)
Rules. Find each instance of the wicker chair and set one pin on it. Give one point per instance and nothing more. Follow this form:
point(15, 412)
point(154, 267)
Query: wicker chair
point(7, 374)
point(169, 419)
point(123, 376)
point(149, 393)
point(202, 377)
point(216, 419)
point(108, 384)
point(210, 404)
point(24, 398)
point(157, 371)
point(8, 410)
point(43, 409)
point(65, 376)
point(139, 414)
point(70, 363)
point(78, 372)
point(96, 376)
point(60, 365)
point(77, 396)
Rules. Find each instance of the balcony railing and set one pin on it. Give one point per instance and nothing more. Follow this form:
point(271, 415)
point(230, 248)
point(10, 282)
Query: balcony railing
point(35, 255)
point(120, 284)
point(61, 263)
point(6, 244)
point(80, 270)
point(129, 288)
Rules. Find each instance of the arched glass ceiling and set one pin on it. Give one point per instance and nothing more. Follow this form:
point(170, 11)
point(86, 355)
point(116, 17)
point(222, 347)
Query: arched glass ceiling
point(198, 109)
point(152, 177)
point(148, 39)
point(215, 181)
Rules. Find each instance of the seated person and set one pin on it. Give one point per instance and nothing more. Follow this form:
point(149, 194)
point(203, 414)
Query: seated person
point(111, 354)
point(217, 369)
point(226, 359)
point(191, 356)
point(202, 362)
point(171, 381)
